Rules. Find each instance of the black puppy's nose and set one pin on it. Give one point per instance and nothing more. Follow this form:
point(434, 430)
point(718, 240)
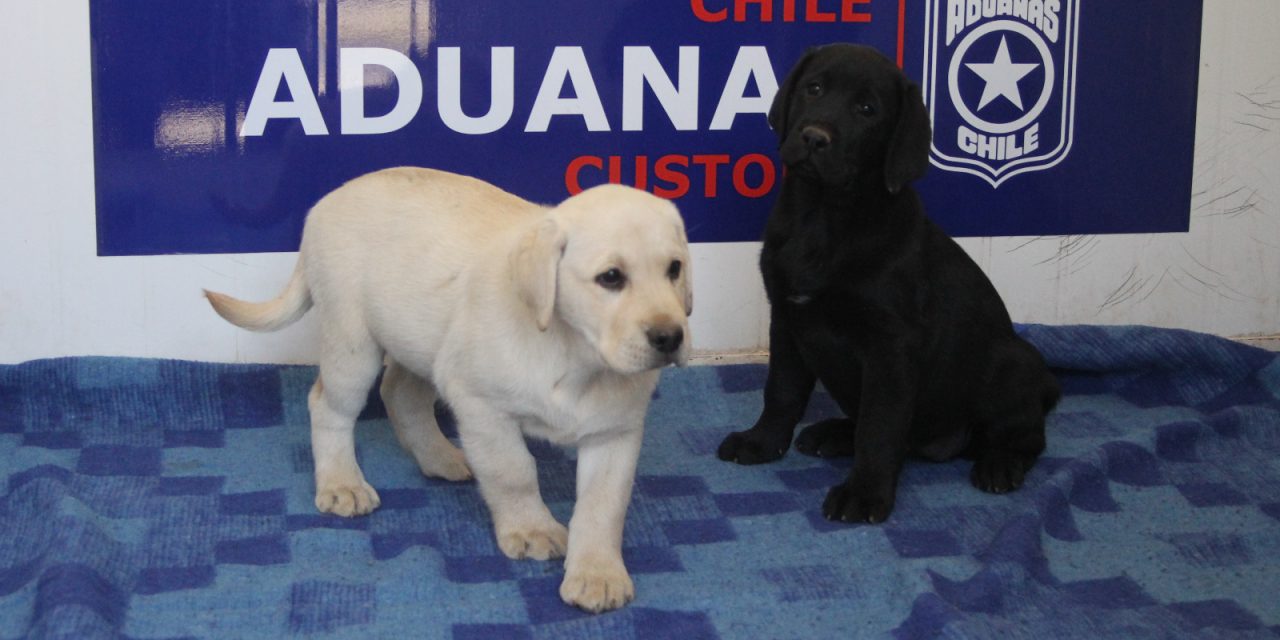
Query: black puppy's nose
point(665, 340)
point(816, 138)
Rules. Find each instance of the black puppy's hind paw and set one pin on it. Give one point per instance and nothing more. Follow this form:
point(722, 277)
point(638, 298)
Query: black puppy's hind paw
point(827, 439)
point(852, 503)
point(747, 447)
point(998, 472)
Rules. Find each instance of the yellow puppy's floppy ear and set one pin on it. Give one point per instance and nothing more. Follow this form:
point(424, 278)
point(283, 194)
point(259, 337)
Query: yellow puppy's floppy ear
point(534, 265)
point(686, 291)
point(685, 286)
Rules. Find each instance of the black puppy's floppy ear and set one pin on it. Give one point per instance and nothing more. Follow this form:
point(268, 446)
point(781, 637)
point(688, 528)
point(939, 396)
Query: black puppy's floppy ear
point(908, 155)
point(780, 108)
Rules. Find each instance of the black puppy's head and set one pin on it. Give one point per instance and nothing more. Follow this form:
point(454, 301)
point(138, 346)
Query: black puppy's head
point(847, 116)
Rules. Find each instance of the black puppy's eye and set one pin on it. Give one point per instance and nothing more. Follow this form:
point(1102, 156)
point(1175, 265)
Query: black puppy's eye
point(673, 271)
point(813, 89)
point(613, 279)
point(867, 109)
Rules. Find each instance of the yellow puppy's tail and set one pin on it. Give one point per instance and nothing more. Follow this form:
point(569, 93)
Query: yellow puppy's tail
point(284, 310)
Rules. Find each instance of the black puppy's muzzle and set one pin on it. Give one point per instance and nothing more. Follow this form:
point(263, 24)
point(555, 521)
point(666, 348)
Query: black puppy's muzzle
point(817, 139)
point(809, 148)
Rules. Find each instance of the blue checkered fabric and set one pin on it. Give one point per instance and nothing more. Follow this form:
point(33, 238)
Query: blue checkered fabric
point(161, 499)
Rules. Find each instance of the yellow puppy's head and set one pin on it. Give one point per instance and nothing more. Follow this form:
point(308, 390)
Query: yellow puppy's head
point(613, 263)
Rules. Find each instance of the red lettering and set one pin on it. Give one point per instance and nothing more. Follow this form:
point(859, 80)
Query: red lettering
point(700, 11)
point(672, 176)
point(902, 29)
point(767, 175)
point(662, 171)
point(849, 14)
point(850, 11)
point(571, 182)
point(640, 179)
point(789, 11)
point(642, 173)
point(711, 162)
point(813, 14)
point(615, 170)
point(740, 10)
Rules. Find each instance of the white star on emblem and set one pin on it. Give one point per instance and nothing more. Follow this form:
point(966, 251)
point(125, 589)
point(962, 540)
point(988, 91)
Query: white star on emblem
point(1001, 76)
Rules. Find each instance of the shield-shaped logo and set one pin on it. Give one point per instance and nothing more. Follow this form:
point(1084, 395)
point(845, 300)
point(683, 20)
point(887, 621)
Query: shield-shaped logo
point(999, 79)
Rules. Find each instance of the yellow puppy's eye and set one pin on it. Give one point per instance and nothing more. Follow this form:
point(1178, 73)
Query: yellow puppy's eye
point(673, 271)
point(613, 279)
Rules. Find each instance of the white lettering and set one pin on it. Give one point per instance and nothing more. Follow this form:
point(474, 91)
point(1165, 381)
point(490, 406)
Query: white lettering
point(502, 95)
point(1050, 27)
point(1042, 14)
point(955, 19)
point(1008, 147)
point(571, 64)
point(752, 62)
point(286, 65)
point(351, 83)
point(640, 67)
point(972, 11)
point(1031, 138)
point(1035, 13)
point(363, 68)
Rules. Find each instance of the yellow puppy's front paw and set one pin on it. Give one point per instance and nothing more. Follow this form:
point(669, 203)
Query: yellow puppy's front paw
point(597, 589)
point(347, 500)
point(539, 543)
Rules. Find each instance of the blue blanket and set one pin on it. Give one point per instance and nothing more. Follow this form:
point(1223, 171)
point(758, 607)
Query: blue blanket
point(162, 499)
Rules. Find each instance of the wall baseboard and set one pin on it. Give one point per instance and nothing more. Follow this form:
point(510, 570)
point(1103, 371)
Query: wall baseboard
point(711, 358)
point(1268, 342)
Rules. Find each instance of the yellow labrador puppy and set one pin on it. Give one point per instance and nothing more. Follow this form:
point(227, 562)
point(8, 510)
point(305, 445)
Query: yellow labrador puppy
point(527, 320)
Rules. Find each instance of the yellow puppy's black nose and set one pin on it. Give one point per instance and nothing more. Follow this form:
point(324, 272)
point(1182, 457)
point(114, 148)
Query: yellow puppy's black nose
point(665, 339)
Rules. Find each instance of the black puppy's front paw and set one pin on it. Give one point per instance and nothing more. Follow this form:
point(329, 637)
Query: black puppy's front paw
point(999, 471)
point(827, 439)
point(857, 502)
point(751, 447)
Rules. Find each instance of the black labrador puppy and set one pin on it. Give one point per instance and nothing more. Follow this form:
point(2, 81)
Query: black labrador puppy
point(871, 298)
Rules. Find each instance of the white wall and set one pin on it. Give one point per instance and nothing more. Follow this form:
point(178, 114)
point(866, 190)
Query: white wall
point(57, 298)
point(1224, 276)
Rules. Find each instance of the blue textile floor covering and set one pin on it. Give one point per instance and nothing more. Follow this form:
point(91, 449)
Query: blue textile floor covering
point(162, 499)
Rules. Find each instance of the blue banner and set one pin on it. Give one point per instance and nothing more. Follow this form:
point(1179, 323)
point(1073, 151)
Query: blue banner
point(218, 123)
